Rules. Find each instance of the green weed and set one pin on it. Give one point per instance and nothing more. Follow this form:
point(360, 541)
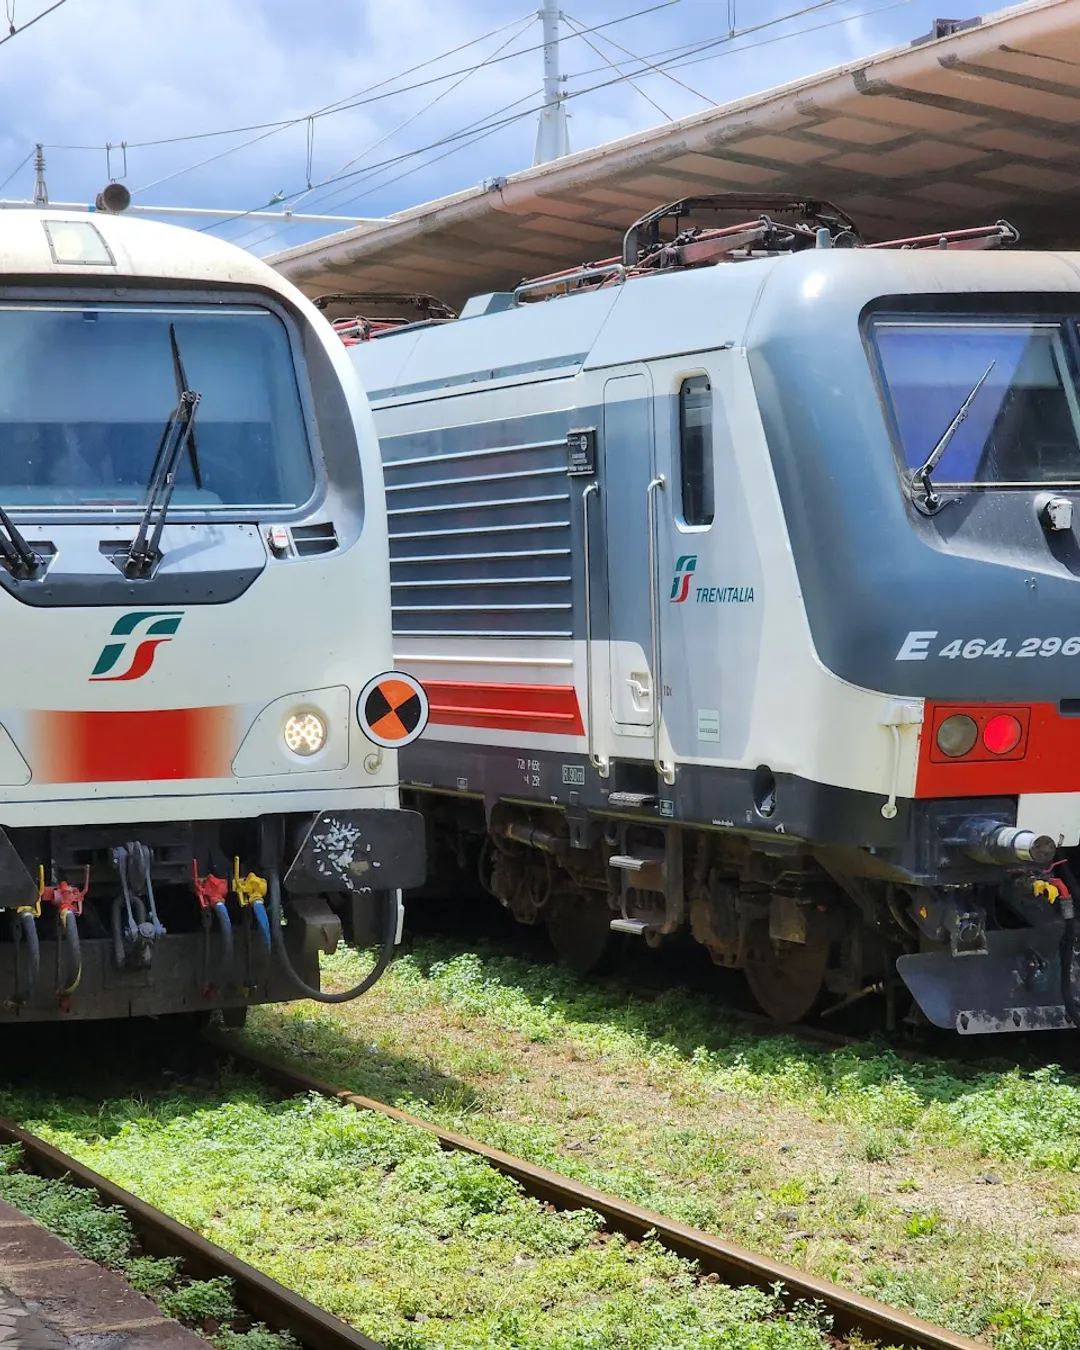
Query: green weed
point(922, 1225)
point(258, 1337)
point(200, 1301)
point(72, 1213)
point(151, 1274)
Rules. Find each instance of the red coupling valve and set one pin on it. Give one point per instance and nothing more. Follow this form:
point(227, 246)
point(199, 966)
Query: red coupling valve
point(209, 890)
point(64, 895)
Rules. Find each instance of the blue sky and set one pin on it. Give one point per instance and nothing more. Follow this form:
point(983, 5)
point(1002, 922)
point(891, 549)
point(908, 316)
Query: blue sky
point(100, 71)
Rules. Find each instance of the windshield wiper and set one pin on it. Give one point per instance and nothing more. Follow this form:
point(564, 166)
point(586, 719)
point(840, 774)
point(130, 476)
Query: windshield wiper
point(178, 436)
point(924, 495)
point(23, 563)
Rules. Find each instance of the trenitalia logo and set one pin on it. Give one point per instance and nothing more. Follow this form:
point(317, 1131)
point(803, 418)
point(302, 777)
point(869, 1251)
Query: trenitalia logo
point(684, 571)
point(137, 636)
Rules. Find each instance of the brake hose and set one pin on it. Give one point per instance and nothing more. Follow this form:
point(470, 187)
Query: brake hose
point(69, 927)
point(225, 924)
point(277, 935)
point(1068, 945)
point(25, 925)
point(262, 923)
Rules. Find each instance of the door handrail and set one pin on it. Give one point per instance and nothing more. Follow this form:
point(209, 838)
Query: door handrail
point(599, 762)
point(667, 771)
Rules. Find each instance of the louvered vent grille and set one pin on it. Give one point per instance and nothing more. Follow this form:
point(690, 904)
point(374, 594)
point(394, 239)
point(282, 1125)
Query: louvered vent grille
point(311, 539)
point(479, 538)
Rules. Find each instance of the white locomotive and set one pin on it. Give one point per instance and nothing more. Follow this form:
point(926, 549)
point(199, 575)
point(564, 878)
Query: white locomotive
point(193, 598)
point(741, 575)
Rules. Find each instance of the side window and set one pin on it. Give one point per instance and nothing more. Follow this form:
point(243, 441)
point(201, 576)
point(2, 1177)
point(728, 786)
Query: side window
point(695, 450)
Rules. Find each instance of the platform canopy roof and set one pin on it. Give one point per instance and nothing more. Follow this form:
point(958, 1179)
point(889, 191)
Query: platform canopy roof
point(958, 131)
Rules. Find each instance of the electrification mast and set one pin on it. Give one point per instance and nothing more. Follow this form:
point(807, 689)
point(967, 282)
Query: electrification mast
point(41, 192)
point(552, 137)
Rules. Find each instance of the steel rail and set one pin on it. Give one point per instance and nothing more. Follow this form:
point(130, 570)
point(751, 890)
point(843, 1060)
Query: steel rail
point(851, 1312)
point(256, 1294)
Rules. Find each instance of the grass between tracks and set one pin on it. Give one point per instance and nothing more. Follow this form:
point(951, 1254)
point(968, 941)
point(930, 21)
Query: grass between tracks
point(419, 1248)
point(951, 1192)
point(104, 1234)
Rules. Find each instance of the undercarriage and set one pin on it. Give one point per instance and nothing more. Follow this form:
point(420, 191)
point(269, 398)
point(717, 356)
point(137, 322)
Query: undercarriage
point(813, 929)
point(178, 917)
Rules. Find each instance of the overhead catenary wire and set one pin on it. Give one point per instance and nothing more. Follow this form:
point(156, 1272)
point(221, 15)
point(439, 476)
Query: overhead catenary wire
point(382, 164)
point(358, 99)
point(431, 102)
point(659, 70)
point(371, 94)
point(14, 32)
point(630, 80)
point(16, 169)
point(268, 129)
point(688, 54)
point(482, 132)
point(480, 127)
point(669, 54)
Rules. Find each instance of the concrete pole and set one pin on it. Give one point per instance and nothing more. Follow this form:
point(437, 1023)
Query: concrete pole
point(552, 137)
point(41, 192)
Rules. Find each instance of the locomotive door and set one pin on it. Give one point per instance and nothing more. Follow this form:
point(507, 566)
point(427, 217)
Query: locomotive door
point(627, 470)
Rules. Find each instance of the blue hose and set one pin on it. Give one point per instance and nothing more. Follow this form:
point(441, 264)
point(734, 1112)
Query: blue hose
point(25, 927)
point(225, 924)
point(69, 938)
point(262, 921)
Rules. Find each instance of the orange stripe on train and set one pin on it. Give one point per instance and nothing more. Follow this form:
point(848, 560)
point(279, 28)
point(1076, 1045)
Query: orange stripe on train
point(548, 709)
point(133, 747)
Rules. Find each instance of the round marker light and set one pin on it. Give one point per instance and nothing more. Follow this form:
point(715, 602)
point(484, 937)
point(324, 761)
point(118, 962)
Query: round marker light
point(957, 735)
point(1002, 734)
point(305, 733)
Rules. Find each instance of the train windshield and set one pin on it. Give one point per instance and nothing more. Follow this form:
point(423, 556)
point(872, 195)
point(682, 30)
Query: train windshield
point(85, 392)
point(1023, 424)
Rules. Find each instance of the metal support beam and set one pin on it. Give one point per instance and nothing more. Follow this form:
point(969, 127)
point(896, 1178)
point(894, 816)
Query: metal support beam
point(202, 212)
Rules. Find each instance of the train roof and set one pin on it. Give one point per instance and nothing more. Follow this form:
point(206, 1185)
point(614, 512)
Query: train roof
point(497, 343)
point(81, 244)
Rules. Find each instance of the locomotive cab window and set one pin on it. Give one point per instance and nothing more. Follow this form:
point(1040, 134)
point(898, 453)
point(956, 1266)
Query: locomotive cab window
point(86, 389)
point(999, 394)
point(695, 451)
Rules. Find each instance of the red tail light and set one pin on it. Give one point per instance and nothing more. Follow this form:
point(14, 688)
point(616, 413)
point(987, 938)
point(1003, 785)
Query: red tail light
point(973, 732)
point(1002, 734)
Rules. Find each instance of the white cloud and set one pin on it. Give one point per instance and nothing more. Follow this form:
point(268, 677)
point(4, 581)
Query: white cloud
point(139, 70)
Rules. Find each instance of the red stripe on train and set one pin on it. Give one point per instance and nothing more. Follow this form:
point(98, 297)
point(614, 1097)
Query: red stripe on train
point(133, 747)
point(548, 709)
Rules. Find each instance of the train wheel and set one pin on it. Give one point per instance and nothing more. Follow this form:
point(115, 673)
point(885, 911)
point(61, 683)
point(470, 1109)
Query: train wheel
point(580, 931)
point(787, 980)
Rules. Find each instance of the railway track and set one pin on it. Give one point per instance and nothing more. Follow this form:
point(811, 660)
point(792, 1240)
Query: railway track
point(255, 1293)
point(851, 1313)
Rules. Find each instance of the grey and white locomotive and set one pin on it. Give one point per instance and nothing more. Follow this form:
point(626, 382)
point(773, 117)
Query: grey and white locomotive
point(742, 576)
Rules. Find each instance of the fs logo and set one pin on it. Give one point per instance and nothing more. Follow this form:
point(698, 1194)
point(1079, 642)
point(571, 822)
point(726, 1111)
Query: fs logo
point(684, 571)
point(138, 636)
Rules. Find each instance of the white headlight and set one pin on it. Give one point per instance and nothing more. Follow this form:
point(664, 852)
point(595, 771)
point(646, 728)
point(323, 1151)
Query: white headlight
point(305, 733)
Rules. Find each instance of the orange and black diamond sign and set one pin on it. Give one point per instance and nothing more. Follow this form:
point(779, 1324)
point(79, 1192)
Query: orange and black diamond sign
point(392, 709)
